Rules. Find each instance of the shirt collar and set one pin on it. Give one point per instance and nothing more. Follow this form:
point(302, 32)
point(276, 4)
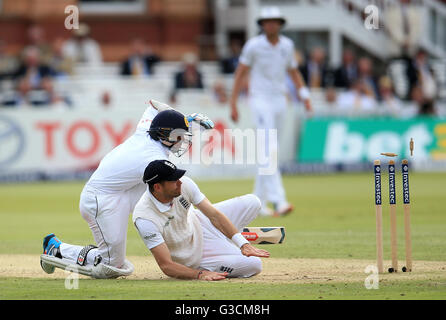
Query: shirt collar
point(265, 40)
point(162, 207)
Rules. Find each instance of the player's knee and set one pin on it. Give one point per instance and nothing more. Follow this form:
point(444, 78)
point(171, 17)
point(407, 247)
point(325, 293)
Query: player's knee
point(254, 203)
point(113, 252)
point(248, 267)
point(115, 261)
point(255, 266)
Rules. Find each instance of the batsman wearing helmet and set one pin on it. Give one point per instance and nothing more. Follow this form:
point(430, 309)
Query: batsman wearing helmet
point(113, 190)
point(202, 243)
point(269, 59)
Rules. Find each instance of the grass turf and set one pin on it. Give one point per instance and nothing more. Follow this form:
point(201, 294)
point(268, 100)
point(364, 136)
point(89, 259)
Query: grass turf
point(17, 288)
point(333, 218)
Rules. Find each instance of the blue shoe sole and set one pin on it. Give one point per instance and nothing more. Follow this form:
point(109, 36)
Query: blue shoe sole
point(47, 267)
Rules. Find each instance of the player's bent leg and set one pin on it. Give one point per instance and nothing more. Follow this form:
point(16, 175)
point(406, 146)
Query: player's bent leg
point(237, 266)
point(241, 210)
point(107, 217)
point(75, 252)
point(221, 255)
point(89, 208)
point(52, 246)
point(52, 259)
point(52, 254)
point(252, 207)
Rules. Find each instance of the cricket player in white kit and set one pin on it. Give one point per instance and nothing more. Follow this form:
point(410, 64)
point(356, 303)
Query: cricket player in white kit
point(113, 190)
point(270, 58)
point(203, 243)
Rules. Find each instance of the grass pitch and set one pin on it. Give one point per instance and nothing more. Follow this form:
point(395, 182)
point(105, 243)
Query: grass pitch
point(330, 239)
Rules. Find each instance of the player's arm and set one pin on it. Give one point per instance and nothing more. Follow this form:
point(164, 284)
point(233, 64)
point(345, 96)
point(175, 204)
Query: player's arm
point(299, 83)
point(200, 118)
point(222, 223)
point(176, 270)
point(240, 74)
point(154, 241)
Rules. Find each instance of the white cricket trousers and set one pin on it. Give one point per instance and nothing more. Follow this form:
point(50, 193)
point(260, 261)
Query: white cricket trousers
point(267, 112)
point(107, 216)
point(220, 254)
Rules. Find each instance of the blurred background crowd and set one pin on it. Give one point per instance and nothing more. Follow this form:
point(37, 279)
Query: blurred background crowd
point(40, 67)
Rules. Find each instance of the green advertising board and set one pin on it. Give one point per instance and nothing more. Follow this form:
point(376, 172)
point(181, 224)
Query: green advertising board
point(348, 140)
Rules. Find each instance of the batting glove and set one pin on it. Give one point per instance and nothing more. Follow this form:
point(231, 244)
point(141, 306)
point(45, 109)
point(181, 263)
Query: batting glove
point(201, 119)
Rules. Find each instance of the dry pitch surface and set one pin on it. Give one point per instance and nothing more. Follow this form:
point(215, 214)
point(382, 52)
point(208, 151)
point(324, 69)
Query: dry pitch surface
point(275, 270)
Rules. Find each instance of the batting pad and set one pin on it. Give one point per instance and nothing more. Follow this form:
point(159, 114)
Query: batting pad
point(101, 271)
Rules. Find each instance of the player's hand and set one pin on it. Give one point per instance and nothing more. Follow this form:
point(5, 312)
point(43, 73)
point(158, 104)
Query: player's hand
point(308, 105)
point(248, 250)
point(234, 112)
point(212, 276)
point(202, 120)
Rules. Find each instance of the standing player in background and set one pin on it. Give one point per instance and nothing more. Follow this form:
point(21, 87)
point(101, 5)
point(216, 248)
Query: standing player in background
point(115, 187)
point(270, 58)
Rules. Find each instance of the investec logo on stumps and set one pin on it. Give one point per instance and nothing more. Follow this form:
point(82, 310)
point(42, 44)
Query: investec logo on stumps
point(392, 198)
point(406, 198)
point(377, 184)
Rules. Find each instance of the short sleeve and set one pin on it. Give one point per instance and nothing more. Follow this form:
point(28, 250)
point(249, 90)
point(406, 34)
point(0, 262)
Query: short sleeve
point(247, 55)
point(191, 190)
point(149, 233)
point(292, 62)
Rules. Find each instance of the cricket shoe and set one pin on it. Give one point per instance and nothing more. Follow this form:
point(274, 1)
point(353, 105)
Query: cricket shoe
point(51, 246)
point(283, 210)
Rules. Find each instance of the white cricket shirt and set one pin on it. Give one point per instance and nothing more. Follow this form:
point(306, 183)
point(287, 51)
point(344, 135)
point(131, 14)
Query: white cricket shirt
point(123, 167)
point(175, 223)
point(269, 64)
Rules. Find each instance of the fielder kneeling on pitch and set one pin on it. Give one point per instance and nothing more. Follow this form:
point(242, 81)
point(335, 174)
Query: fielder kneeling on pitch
point(188, 243)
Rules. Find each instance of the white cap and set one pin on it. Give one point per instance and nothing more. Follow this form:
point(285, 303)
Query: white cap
point(190, 58)
point(270, 13)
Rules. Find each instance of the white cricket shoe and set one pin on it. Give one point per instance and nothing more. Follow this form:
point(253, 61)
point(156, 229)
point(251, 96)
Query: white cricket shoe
point(266, 212)
point(283, 210)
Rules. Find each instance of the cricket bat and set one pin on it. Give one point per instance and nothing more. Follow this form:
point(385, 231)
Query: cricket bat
point(264, 235)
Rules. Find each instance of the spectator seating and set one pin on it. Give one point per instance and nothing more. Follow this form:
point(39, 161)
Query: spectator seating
point(88, 87)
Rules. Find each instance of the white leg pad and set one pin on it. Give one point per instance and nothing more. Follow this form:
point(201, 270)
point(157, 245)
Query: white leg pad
point(65, 264)
point(104, 271)
point(101, 271)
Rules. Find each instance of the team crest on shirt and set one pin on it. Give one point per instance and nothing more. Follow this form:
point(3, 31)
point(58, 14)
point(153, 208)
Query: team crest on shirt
point(184, 203)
